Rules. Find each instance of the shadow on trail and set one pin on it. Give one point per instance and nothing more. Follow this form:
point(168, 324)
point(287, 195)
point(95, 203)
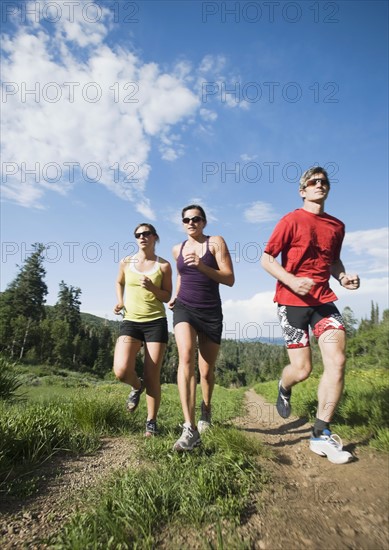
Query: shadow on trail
point(297, 426)
point(290, 427)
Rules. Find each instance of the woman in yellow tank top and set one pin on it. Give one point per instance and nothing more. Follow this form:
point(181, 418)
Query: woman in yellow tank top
point(143, 284)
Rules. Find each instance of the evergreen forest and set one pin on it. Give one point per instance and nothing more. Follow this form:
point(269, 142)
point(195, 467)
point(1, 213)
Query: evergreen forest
point(62, 336)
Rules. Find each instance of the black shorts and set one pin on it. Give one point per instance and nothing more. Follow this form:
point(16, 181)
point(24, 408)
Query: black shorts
point(208, 321)
point(150, 331)
point(295, 322)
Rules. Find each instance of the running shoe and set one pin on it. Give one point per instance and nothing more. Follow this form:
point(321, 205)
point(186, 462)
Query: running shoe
point(205, 419)
point(330, 445)
point(190, 438)
point(283, 402)
point(151, 428)
point(134, 397)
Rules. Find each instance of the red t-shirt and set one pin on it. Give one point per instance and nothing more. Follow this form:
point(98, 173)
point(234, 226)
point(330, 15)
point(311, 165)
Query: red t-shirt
point(309, 245)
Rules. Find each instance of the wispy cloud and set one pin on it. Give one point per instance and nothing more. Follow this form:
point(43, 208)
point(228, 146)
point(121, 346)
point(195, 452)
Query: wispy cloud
point(372, 246)
point(260, 212)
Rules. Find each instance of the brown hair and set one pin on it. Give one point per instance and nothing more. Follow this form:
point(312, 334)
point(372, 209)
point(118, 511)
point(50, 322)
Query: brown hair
point(151, 228)
point(309, 173)
point(195, 207)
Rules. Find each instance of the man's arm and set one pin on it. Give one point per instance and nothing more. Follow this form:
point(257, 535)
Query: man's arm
point(351, 282)
point(298, 285)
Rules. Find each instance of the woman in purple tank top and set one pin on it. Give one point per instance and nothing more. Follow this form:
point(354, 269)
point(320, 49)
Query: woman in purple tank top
point(203, 263)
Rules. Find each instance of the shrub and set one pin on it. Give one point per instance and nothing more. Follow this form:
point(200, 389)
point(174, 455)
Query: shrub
point(9, 381)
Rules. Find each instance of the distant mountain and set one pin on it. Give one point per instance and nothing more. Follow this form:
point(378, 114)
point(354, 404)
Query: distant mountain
point(94, 320)
point(91, 320)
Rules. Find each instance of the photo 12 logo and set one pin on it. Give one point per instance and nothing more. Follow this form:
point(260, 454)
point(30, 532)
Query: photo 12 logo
point(69, 171)
point(71, 252)
point(270, 91)
point(252, 172)
point(71, 92)
point(69, 11)
point(270, 12)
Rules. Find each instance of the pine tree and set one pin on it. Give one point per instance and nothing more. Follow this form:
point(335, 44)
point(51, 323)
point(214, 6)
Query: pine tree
point(67, 314)
point(22, 304)
point(349, 321)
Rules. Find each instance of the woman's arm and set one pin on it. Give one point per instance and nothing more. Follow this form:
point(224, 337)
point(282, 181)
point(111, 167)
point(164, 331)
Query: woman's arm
point(164, 293)
point(225, 273)
point(119, 287)
point(176, 251)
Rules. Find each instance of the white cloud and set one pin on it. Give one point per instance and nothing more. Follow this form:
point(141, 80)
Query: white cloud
point(70, 117)
point(371, 290)
point(217, 87)
point(212, 64)
point(248, 158)
point(255, 317)
point(208, 115)
point(260, 212)
point(372, 246)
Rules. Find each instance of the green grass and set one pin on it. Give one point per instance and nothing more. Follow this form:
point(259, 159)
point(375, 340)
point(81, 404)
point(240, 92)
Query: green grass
point(214, 483)
point(363, 412)
point(212, 486)
point(32, 431)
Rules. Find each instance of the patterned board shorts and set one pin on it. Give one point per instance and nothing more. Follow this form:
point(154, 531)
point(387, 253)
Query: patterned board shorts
point(296, 320)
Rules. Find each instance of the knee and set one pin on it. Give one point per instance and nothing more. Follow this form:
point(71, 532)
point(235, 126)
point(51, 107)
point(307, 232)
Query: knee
point(186, 365)
point(186, 358)
point(119, 372)
point(337, 363)
point(340, 360)
point(338, 369)
point(207, 374)
point(303, 371)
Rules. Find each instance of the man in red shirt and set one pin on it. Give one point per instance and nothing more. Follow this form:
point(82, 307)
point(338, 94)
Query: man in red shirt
point(310, 242)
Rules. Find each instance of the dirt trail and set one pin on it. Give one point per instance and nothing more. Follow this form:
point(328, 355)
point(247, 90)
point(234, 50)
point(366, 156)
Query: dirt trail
point(26, 521)
point(310, 502)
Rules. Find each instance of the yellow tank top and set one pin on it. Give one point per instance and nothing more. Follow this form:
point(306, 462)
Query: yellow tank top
point(141, 304)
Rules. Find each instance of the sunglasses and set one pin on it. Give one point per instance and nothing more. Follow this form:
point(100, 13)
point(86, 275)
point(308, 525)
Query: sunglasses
point(194, 219)
point(143, 233)
point(315, 181)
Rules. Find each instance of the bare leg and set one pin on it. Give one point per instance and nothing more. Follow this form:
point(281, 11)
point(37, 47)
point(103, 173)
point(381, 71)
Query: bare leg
point(186, 344)
point(152, 368)
point(208, 352)
point(126, 350)
point(299, 369)
point(332, 346)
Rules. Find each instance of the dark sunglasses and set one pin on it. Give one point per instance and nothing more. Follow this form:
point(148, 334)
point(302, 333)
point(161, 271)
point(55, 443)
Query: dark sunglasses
point(194, 219)
point(315, 181)
point(143, 233)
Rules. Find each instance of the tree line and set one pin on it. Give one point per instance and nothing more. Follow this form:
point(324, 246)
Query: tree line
point(61, 335)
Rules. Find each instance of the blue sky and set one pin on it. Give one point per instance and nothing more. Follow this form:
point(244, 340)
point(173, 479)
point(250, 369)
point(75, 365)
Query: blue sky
point(116, 113)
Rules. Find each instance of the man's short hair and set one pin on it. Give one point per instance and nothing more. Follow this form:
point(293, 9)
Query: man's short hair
point(309, 173)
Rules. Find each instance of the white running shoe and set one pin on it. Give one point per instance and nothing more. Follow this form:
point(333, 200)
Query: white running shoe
point(190, 438)
point(330, 445)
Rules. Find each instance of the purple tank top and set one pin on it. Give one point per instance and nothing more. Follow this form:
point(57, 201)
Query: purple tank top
point(196, 289)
